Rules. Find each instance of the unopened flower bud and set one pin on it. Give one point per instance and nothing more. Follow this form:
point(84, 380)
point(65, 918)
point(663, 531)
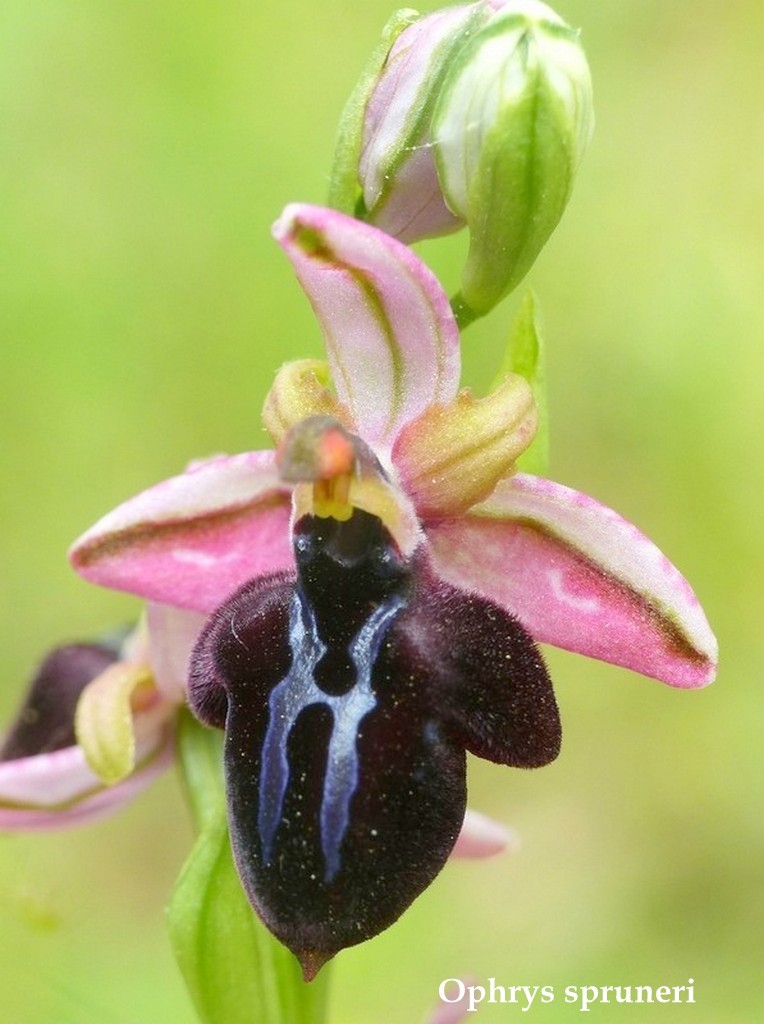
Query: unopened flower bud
point(476, 114)
point(510, 128)
point(385, 169)
point(397, 171)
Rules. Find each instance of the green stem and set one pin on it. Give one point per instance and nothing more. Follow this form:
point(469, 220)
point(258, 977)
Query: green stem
point(200, 760)
point(235, 970)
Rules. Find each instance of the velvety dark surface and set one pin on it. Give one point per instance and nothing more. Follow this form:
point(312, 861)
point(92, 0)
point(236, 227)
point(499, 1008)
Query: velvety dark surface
point(345, 756)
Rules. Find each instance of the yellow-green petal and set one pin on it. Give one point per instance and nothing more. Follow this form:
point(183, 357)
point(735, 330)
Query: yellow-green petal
point(104, 720)
point(453, 455)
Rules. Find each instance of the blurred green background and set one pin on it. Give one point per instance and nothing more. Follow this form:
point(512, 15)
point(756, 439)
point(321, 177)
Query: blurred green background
point(147, 147)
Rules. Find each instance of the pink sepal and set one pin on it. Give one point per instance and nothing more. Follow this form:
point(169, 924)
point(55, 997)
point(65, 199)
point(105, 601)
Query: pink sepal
point(580, 577)
point(391, 338)
point(59, 790)
point(193, 539)
point(481, 837)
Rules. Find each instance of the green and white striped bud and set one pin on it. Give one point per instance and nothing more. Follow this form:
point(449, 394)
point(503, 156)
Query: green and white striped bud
point(477, 115)
point(512, 122)
point(384, 170)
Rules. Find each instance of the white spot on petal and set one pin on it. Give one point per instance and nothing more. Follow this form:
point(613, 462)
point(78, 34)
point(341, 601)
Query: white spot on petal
point(556, 579)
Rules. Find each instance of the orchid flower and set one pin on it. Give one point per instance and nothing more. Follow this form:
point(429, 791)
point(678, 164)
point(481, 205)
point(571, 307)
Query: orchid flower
point(104, 691)
point(96, 727)
point(374, 591)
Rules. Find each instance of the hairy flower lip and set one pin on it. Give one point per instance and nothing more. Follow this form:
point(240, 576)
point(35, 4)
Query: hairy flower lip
point(418, 683)
point(196, 540)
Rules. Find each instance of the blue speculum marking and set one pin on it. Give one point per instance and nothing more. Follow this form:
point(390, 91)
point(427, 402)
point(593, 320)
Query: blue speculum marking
point(299, 690)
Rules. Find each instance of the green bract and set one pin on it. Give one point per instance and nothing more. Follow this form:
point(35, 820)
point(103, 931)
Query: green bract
point(525, 356)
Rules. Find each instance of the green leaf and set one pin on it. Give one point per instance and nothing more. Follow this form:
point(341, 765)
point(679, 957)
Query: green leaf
point(235, 971)
point(525, 356)
point(344, 188)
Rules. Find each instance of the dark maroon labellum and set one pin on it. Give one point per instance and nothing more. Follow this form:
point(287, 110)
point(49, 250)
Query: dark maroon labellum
point(45, 721)
point(349, 692)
